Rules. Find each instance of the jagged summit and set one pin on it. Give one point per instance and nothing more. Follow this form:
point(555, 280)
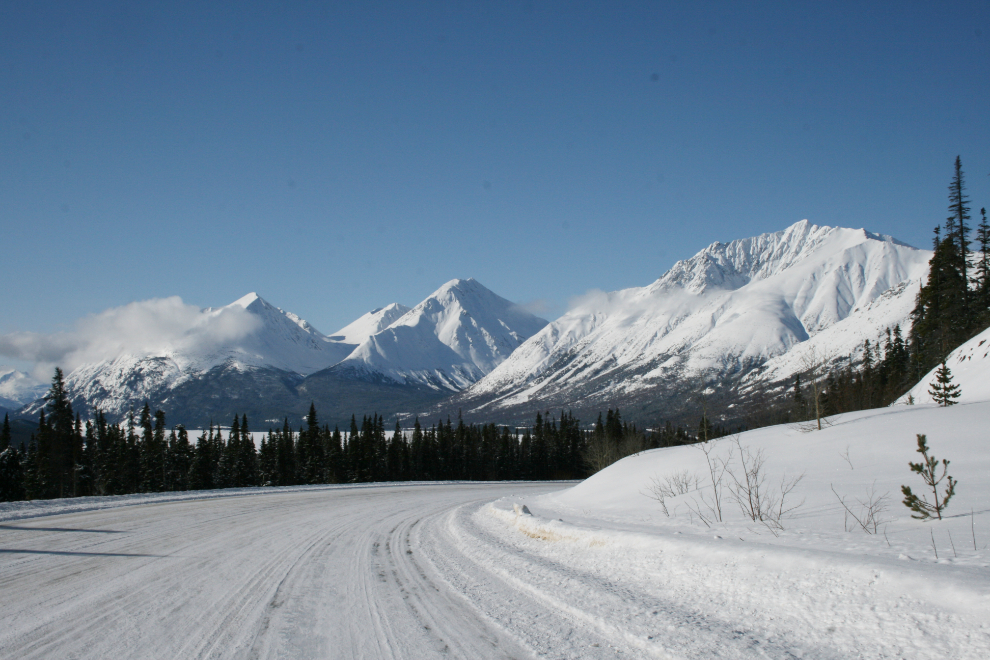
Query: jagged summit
point(720, 314)
point(735, 264)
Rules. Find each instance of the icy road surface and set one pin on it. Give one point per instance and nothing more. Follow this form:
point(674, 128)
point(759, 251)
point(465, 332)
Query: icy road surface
point(332, 573)
point(422, 571)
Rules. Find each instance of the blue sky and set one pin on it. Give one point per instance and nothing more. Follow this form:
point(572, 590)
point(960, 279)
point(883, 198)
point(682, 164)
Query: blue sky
point(336, 157)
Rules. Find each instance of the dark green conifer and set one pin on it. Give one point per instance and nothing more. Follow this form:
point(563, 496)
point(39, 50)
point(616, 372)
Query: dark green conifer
point(5, 433)
point(11, 475)
point(943, 390)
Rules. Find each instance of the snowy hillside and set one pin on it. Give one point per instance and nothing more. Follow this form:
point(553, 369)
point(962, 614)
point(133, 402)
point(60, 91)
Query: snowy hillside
point(453, 338)
point(819, 585)
point(728, 310)
point(970, 368)
point(18, 388)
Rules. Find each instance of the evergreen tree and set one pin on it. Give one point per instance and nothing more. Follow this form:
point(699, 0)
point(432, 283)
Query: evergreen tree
point(82, 468)
point(958, 218)
point(982, 273)
point(5, 433)
point(33, 486)
point(798, 399)
point(55, 441)
point(11, 475)
point(943, 390)
point(179, 457)
point(203, 462)
point(941, 318)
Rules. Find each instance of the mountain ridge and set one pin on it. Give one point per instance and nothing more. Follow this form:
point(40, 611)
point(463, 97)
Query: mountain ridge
point(720, 315)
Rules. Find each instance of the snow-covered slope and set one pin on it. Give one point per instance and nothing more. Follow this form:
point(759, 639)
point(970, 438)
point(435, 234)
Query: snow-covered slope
point(18, 388)
point(728, 310)
point(817, 585)
point(970, 368)
point(453, 338)
point(369, 324)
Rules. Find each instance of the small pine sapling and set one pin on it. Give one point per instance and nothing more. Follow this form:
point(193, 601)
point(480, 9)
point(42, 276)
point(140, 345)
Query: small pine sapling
point(927, 469)
point(943, 390)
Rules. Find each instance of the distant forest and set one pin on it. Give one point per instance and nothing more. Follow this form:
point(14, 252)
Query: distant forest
point(69, 457)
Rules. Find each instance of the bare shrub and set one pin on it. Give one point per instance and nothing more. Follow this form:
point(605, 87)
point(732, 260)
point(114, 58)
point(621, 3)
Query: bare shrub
point(756, 499)
point(672, 485)
point(871, 511)
point(658, 490)
point(681, 483)
point(709, 508)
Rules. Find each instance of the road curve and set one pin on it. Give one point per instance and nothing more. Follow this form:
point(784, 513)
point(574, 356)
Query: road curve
point(335, 573)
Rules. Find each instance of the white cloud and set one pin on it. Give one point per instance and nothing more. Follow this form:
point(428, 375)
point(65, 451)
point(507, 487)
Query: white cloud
point(148, 327)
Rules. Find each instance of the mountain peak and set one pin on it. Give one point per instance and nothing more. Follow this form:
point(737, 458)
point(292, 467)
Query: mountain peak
point(455, 336)
point(247, 300)
point(460, 285)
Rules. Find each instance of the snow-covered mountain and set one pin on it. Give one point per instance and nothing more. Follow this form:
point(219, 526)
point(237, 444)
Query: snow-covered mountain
point(740, 310)
point(253, 357)
point(282, 341)
point(969, 366)
point(247, 335)
point(452, 339)
point(18, 388)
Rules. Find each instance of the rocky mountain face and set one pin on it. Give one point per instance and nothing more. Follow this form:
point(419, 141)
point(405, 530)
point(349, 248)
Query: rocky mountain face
point(734, 317)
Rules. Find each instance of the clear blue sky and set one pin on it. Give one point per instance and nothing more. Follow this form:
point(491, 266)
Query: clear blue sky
point(336, 157)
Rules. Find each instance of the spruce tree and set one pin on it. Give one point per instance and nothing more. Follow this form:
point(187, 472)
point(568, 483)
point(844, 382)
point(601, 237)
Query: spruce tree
point(11, 475)
point(943, 315)
point(5, 433)
point(982, 273)
point(958, 217)
point(33, 484)
point(943, 391)
point(55, 440)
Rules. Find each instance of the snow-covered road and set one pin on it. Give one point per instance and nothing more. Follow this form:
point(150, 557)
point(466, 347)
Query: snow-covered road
point(335, 573)
point(430, 570)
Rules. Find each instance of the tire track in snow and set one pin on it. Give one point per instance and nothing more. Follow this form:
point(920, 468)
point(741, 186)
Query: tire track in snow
point(280, 574)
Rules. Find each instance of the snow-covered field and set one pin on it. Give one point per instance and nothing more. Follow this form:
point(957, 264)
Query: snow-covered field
point(820, 587)
point(462, 570)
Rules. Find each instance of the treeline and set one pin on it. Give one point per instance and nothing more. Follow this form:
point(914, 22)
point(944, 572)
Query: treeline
point(885, 372)
point(69, 457)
